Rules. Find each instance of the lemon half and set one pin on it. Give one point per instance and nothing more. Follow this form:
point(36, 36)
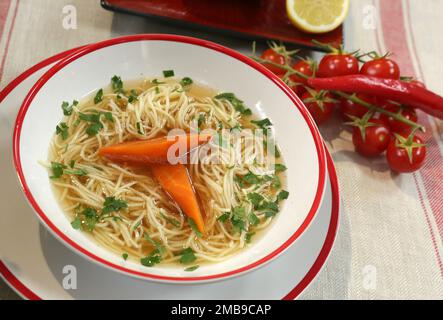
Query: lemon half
point(317, 16)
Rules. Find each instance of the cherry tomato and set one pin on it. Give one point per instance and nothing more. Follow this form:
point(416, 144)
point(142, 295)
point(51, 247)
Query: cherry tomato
point(375, 141)
point(320, 106)
point(381, 68)
point(350, 108)
point(334, 65)
point(406, 154)
point(274, 57)
point(303, 67)
point(397, 126)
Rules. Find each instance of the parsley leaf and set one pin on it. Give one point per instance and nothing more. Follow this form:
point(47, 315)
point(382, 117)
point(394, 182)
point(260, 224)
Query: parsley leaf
point(224, 217)
point(67, 108)
point(98, 96)
point(248, 237)
point(280, 167)
point(282, 195)
point(187, 256)
point(94, 128)
point(236, 103)
point(117, 84)
point(193, 268)
point(62, 130)
point(152, 259)
point(160, 249)
point(76, 223)
point(253, 219)
point(112, 204)
point(168, 73)
point(57, 170)
point(125, 256)
point(133, 96)
point(186, 81)
point(255, 199)
point(265, 123)
point(91, 218)
point(139, 128)
point(237, 219)
point(194, 227)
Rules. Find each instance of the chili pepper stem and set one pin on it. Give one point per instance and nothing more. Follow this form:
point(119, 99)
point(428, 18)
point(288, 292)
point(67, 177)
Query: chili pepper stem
point(372, 107)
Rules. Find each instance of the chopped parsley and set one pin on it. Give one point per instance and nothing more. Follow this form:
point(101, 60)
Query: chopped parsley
point(237, 218)
point(117, 84)
point(253, 219)
point(194, 227)
point(94, 120)
point(201, 119)
point(168, 73)
point(152, 259)
point(193, 268)
point(125, 256)
point(58, 169)
point(158, 246)
point(139, 128)
point(62, 130)
point(280, 167)
point(187, 256)
point(186, 81)
point(224, 217)
point(264, 124)
point(98, 96)
point(76, 223)
point(112, 204)
point(155, 81)
point(236, 103)
point(255, 199)
point(282, 195)
point(249, 236)
point(133, 96)
point(68, 108)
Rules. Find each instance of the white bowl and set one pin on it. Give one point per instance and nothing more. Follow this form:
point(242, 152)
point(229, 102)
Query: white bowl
point(148, 55)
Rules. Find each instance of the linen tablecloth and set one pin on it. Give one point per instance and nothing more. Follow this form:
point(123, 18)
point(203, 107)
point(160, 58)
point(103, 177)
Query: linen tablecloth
point(389, 243)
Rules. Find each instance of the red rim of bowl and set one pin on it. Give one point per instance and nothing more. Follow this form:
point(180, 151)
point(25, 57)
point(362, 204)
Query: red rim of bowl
point(193, 41)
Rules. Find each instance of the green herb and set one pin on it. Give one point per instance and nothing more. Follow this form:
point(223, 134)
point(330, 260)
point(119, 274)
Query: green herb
point(57, 170)
point(236, 103)
point(108, 116)
point(90, 217)
point(265, 123)
point(152, 259)
point(67, 108)
point(270, 214)
point(255, 199)
point(155, 81)
point(98, 96)
point(224, 217)
point(253, 219)
point(72, 164)
point(251, 178)
point(170, 220)
point(268, 206)
point(139, 128)
point(138, 224)
point(89, 117)
point(276, 183)
point(186, 81)
point(62, 130)
point(117, 84)
point(280, 167)
point(201, 119)
point(133, 96)
point(194, 228)
point(249, 236)
point(94, 128)
point(112, 204)
point(157, 90)
point(282, 195)
point(168, 73)
point(158, 246)
point(237, 218)
point(77, 172)
point(193, 268)
point(76, 223)
point(125, 256)
point(187, 256)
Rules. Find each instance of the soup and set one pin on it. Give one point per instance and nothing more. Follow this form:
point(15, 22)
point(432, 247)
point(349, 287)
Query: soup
point(135, 208)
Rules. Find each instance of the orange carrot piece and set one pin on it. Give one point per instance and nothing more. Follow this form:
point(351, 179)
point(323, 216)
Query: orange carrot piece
point(154, 150)
point(176, 182)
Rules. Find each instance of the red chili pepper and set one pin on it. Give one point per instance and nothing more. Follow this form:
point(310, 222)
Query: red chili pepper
point(403, 92)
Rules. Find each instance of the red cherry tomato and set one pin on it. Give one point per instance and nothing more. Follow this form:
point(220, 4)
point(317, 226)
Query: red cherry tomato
point(274, 57)
point(376, 138)
point(398, 158)
point(381, 68)
point(321, 108)
point(334, 65)
point(397, 126)
point(303, 67)
point(350, 108)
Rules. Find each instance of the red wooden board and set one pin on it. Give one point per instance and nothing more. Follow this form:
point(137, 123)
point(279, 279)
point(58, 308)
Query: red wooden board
point(254, 18)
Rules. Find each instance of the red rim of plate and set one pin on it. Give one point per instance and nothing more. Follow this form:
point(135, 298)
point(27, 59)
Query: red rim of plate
point(193, 41)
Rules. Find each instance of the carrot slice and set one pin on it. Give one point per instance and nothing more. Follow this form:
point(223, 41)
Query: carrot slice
point(154, 150)
point(176, 182)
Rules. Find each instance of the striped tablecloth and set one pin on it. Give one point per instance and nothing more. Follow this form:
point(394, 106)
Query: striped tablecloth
point(389, 244)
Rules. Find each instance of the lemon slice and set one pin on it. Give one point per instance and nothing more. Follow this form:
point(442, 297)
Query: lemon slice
point(317, 16)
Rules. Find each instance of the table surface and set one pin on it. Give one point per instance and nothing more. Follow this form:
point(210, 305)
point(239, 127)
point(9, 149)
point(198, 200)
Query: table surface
point(389, 244)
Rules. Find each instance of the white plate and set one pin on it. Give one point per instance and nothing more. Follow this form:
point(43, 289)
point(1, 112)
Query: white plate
point(130, 57)
point(32, 261)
